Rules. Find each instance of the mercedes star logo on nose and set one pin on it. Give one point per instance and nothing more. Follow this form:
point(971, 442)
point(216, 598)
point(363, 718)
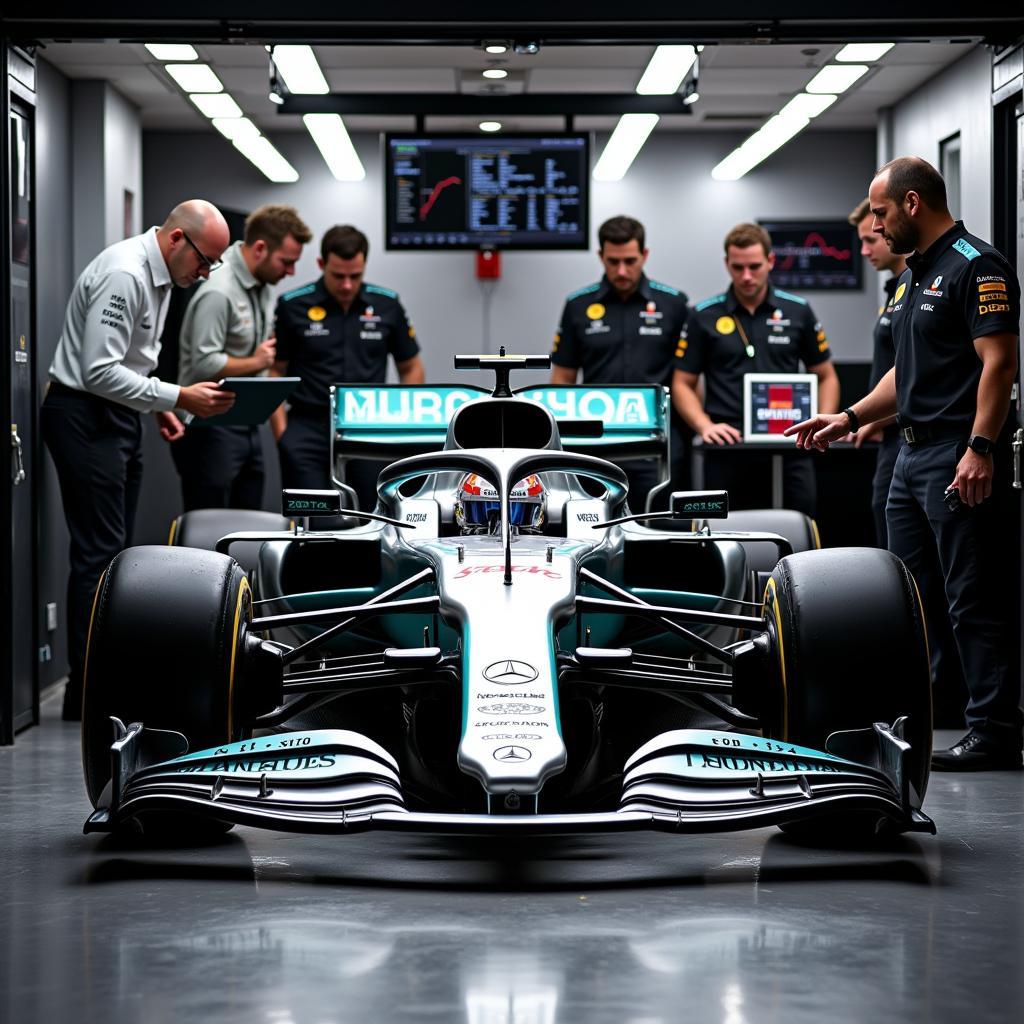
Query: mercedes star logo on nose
point(510, 673)
point(512, 754)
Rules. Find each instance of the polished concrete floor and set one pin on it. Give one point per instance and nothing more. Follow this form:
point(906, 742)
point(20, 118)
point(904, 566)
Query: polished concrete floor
point(277, 929)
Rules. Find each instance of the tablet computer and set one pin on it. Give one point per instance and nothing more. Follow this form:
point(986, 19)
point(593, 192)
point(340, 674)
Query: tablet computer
point(774, 401)
point(255, 399)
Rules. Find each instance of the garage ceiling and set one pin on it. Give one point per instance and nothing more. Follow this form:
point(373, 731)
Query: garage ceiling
point(740, 84)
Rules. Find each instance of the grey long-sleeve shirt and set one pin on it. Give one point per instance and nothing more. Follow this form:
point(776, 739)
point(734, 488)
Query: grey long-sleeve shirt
point(230, 315)
point(110, 340)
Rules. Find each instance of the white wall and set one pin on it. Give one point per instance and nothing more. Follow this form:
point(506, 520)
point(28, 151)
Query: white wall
point(107, 153)
point(958, 99)
point(669, 189)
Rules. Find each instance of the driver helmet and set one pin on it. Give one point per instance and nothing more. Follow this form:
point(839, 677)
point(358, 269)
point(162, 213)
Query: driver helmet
point(477, 504)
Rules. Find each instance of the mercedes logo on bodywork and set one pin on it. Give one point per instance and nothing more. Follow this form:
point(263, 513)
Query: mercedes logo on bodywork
point(512, 754)
point(510, 672)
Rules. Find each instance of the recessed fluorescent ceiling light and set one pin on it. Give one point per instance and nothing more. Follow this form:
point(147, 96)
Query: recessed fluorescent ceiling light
point(332, 139)
point(666, 70)
point(623, 145)
point(836, 78)
point(178, 51)
point(216, 105)
point(194, 77)
point(496, 48)
point(857, 52)
point(495, 73)
point(773, 134)
point(259, 151)
point(803, 104)
point(235, 127)
point(490, 126)
point(298, 67)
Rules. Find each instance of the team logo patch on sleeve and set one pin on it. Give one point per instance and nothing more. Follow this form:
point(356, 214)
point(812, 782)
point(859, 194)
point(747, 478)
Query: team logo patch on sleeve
point(725, 325)
point(595, 311)
point(316, 313)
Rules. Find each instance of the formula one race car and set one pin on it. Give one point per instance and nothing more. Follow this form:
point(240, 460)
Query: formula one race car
point(502, 645)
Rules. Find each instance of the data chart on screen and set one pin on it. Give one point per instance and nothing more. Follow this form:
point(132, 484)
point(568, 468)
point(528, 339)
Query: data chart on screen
point(471, 192)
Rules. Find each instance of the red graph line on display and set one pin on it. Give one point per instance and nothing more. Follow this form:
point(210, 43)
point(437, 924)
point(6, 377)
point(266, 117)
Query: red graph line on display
point(435, 194)
point(826, 250)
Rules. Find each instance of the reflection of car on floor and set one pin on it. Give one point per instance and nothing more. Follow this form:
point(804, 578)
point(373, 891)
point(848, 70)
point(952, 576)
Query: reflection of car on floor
point(503, 645)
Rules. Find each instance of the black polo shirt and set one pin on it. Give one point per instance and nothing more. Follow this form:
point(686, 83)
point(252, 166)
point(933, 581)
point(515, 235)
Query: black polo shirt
point(723, 341)
point(621, 342)
point(959, 289)
point(324, 345)
point(883, 356)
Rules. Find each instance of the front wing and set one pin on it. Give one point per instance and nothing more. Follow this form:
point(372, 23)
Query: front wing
point(337, 781)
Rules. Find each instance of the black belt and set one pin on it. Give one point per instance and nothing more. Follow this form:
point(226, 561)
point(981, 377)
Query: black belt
point(915, 433)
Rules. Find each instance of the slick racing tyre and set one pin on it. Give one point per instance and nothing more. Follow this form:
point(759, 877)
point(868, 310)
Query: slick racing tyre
point(165, 646)
point(848, 649)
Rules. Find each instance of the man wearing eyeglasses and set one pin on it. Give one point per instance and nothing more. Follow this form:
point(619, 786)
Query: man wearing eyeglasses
point(100, 383)
point(228, 332)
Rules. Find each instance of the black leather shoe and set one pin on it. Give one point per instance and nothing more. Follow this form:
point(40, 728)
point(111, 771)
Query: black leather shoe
point(977, 753)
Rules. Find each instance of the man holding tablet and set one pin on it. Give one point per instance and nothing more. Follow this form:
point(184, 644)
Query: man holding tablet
point(226, 333)
point(751, 328)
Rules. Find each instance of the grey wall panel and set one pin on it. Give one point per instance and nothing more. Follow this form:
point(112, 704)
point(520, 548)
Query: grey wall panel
point(54, 230)
point(956, 100)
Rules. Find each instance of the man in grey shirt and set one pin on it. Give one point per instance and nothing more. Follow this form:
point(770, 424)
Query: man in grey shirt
point(225, 333)
point(99, 384)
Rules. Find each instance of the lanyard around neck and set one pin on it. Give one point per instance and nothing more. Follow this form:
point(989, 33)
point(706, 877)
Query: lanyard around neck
point(743, 334)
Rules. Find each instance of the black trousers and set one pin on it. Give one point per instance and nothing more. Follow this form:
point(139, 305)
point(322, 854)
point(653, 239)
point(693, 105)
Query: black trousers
point(962, 555)
point(888, 449)
point(220, 467)
point(96, 447)
point(747, 476)
point(305, 450)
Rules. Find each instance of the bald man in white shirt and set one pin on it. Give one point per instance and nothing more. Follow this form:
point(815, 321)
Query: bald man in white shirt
point(100, 383)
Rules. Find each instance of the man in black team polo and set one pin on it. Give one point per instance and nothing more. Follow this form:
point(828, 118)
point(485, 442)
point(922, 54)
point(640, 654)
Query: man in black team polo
point(955, 320)
point(873, 246)
point(751, 328)
point(338, 330)
point(623, 330)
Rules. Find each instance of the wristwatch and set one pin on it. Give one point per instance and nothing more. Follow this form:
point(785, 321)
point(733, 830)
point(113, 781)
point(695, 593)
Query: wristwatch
point(979, 444)
point(854, 421)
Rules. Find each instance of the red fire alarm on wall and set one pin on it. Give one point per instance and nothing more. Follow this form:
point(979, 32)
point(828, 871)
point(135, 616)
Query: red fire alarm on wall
point(488, 264)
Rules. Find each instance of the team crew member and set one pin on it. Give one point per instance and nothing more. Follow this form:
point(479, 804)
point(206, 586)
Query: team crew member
point(226, 332)
point(955, 320)
point(337, 330)
point(100, 383)
point(873, 246)
point(624, 330)
point(751, 328)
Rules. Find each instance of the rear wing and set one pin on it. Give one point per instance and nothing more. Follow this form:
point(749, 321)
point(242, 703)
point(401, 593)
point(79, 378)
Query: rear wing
point(391, 421)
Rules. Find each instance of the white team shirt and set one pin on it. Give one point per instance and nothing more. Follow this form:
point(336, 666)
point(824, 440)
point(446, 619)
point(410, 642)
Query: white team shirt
point(111, 335)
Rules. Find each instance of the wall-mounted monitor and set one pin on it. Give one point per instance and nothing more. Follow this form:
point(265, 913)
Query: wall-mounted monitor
point(814, 255)
point(450, 191)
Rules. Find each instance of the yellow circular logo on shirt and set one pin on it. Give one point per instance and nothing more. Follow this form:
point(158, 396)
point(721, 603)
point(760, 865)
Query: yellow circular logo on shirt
point(725, 325)
point(595, 311)
point(899, 293)
point(316, 313)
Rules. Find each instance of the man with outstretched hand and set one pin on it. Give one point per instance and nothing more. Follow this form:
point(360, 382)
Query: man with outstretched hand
point(955, 322)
